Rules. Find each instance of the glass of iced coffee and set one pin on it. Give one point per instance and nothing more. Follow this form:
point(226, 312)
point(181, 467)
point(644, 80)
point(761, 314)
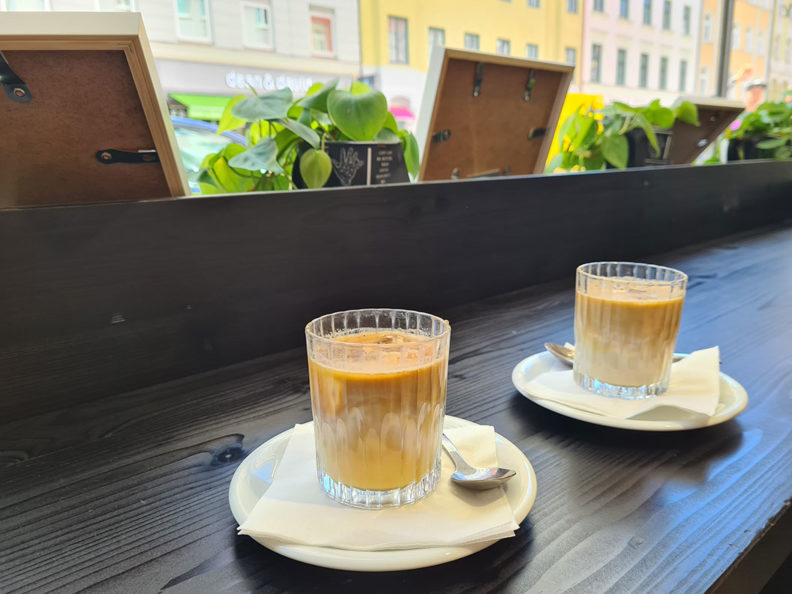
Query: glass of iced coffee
point(378, 394)
point(626, 323)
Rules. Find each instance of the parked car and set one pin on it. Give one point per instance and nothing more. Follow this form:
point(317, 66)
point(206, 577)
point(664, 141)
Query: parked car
point(196, 139)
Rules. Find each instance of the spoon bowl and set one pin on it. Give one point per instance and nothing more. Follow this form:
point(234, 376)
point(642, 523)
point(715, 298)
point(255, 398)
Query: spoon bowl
point(472, 477)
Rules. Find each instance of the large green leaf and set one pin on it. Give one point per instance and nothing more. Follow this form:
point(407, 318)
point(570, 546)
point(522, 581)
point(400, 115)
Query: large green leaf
point(359, 117)
point(648, 129)
point(318, 100)
point(359, 88)
point(615, 150)
point(662, 117)
point(315, 168)
point(271, 106)
point(390, 123)
point(563, 130)
point(228, 121)
point(258, 158)
point(386, 135)
point(220, 175)
point(771, 143)
point(410, 146)
point(554, 163)
point(687, 112)
point(303, 131)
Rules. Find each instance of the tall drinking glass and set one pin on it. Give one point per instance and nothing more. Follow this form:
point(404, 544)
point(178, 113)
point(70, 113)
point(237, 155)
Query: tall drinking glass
point(378, 392)
point(626, 323)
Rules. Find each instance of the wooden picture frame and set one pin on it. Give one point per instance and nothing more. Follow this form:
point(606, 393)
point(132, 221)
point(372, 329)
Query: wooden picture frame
point(92, 124)
point(715, 115)
point(488, 115)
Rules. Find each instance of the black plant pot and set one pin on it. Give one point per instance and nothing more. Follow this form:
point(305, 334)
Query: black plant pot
point(642, 154)
point(361, 164)
point(744, 149)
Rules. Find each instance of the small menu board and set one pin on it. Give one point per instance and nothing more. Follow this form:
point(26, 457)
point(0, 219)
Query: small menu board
point(488, 115)
point(688, 141)
point(83, 116)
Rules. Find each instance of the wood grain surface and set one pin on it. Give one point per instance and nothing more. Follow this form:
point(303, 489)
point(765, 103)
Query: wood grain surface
point(128, 493)
point(99, 300)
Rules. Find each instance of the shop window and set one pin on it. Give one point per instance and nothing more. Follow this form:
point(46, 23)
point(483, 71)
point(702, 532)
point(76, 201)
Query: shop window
point(24, 5)
point(471, 41)
point(257, 25)
point(322, 21)
point(397, 40)
point(503, 47)
point(192, 17)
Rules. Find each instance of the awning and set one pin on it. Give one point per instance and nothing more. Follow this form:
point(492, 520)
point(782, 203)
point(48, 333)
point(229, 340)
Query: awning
point(202, 107)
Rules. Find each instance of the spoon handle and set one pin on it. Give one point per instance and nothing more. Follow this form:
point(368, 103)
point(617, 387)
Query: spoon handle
point(462, 466)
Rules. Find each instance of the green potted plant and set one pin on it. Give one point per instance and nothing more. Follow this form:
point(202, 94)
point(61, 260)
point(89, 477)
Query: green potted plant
point(765, 133)
point(618, 136)
point(325, 138)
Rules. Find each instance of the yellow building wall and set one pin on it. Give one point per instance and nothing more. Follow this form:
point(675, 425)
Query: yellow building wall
point(550, 27)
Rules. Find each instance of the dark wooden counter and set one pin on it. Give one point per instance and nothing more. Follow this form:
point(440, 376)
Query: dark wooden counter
point(130, 493)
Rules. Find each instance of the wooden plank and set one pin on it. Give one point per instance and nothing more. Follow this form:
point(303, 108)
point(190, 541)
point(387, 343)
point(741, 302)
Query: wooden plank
point(104, 299)
point(129, 492)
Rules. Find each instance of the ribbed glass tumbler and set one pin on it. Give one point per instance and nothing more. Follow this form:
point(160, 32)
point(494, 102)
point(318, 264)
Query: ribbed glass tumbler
point(626, 323)
point(378, 392)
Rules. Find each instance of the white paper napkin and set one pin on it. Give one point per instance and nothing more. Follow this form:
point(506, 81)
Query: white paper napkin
point(295, 510)
point(694, 386)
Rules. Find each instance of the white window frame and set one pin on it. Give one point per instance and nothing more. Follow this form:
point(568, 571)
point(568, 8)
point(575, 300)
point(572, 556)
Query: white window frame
point(265, 5)
point(570, 50)
point(506, 43)
point(471, 36)
point(190, 38)
point(707, 33)
point(324, 13)
point(687, 11)
point(406, 61)
point(736, 40)
point(134, 6)
point(527, 53)
point(759, 44)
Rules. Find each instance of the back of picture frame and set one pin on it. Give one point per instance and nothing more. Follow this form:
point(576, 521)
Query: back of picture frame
point(82, 114)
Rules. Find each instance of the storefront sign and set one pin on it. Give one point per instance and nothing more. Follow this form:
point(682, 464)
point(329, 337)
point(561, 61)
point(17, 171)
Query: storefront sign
point(268, 81)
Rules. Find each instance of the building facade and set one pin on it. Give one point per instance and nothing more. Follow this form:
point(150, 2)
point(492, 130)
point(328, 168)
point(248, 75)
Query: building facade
point(636, 51)
point(397, 37)
point(760, 56)
point(206, 50)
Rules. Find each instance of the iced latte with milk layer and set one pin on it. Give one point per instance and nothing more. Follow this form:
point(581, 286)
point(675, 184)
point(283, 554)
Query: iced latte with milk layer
point(378, 391)
point(627, 319)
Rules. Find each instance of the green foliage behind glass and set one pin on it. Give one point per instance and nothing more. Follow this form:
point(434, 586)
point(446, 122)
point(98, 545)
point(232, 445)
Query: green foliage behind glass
point(279, 129)
point(770, 125)
point(593, 139)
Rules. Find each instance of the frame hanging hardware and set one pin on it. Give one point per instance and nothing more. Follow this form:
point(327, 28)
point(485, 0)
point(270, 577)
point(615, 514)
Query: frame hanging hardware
point(477, 80)
point(14, 86)
point(111, 156)
point(529, 86)
point(536, 133)
point(441, 136)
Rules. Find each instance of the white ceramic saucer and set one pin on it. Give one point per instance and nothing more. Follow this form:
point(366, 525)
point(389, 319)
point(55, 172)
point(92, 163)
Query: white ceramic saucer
point(732, 401)
point(254, 475)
